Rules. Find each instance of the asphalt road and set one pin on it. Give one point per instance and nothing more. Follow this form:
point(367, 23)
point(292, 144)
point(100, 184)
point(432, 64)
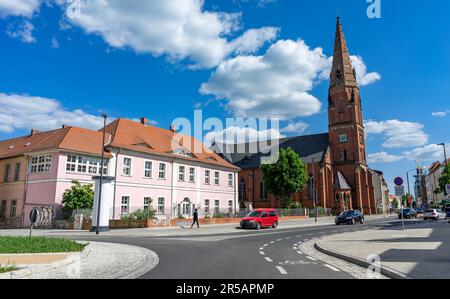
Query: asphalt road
point(265, 254)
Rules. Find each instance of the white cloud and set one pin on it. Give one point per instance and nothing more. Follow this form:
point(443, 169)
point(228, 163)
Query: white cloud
point(24, 8)
point(431, 152)
point(398, 134)
point(298, 128)
point(22, 31)
point(276, 84)
point(29, 112)
point(383, 157)
point(362, 76)
point(54, 43)
point(253, 39)
point(441, 113)
point(180, 29)
point(234, 134)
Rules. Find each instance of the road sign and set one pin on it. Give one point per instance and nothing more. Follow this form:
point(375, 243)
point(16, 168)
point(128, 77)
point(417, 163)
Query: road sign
point(398, 181)
point(399, 191)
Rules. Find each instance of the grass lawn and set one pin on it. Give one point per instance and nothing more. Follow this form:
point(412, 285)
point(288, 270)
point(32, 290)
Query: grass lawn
point(13, 245)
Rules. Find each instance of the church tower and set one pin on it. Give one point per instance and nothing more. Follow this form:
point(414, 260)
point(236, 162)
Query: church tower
point(346, 132)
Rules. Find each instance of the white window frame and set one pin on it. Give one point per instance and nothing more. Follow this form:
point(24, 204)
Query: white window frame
point(127, 167)
point(127, 205)
point(216, 206)
point(148, 171)
point(41, 164)
point(230, 206)
point(162, 171)
point(207, 208)
point(191, 174)
point(81, 164)
point(181, 173)
point(230, 180)
point(217, 178)
point(207, 177)
point(147, 203)
point(161, 207)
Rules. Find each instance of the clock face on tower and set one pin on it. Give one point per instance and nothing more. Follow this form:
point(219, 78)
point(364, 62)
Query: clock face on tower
point(343, 138)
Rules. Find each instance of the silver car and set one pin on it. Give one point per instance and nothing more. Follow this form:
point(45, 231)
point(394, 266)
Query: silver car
point(436, 214)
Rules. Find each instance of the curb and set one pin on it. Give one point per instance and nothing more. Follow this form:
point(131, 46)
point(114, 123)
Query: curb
point(386, 271)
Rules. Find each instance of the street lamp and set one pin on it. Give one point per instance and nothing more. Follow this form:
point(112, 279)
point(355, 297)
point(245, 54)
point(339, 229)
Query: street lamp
point(97, 230)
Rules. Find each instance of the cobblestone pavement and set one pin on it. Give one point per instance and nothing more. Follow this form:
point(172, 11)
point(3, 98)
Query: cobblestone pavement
point(98, 261)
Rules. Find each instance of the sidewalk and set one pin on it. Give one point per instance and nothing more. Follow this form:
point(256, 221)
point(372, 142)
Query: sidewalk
point(421, 251)
point(97, 261)
point(207, 230)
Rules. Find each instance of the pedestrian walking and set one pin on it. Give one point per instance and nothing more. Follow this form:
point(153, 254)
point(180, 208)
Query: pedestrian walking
point(195, 219)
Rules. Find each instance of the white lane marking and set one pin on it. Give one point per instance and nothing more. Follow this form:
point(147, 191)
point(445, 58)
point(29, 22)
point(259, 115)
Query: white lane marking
point(299, 252)
point(332, 268)
point(282, 271)
point(310, 234)
point(295, 248)
point(265, 245)
point(311, 258)
point(268, 259)
point(272, 242)
point(299, 236)
point(279, 240)
point(262, 248)
point(305, 240)
point(288, 238)
point(262, 253)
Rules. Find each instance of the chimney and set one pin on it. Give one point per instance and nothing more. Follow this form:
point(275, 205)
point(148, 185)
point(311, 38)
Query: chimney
point(144, 121)
point(34, 132)
point(173, 128)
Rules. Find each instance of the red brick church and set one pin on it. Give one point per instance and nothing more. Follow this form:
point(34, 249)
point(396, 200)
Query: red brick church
point(336, 160)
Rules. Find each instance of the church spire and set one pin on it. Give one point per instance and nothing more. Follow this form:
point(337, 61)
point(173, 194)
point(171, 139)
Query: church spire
point(342, 72)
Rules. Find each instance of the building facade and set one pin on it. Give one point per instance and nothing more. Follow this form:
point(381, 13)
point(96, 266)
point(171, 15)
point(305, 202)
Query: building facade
point(381, 189)
point(336, 160)
point(434, 196)
point(152, 167)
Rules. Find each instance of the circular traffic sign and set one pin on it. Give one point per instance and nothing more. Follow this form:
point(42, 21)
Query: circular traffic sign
point(398, 181)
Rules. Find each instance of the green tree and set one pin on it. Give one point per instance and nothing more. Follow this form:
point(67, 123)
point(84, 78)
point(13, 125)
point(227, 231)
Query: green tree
point(444, 180)
point(288, 175)
point(78, 197)
point(395, 203)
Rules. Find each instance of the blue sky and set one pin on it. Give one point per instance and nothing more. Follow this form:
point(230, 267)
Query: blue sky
point(161, 59)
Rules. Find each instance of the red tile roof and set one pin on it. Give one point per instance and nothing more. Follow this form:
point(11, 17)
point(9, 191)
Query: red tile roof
point(67, 138)
point(135, 136)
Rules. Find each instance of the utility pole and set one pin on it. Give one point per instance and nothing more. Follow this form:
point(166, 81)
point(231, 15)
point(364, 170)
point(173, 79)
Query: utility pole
point(97, 231)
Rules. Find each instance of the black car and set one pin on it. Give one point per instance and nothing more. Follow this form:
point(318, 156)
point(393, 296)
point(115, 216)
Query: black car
point(350, 217)
point(407, 213)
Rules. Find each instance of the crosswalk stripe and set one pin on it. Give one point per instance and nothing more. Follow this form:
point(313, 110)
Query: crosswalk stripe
point(282, 271)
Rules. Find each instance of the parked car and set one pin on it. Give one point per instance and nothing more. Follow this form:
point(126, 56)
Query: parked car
point(436, 214)
point(408, 213)
point(447, 212)
point(350, 217)
point(260, 218)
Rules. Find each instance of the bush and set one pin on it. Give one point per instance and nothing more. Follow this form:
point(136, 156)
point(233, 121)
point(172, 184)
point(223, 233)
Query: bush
point(219, 216)
point(139, 215)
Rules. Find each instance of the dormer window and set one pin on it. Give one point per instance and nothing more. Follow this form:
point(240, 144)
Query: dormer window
point(182, 152)
point(27, 144)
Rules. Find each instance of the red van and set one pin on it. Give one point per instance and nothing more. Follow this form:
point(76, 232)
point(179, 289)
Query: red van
point(260, 218)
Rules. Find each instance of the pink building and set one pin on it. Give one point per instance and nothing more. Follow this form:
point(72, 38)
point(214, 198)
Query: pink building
point(153, 168)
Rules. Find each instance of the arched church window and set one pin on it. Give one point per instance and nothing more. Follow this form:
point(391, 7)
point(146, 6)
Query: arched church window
point(242, 190)
point(262, 190)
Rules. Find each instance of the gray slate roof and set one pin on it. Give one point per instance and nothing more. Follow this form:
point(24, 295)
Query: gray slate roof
point(248, 155)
